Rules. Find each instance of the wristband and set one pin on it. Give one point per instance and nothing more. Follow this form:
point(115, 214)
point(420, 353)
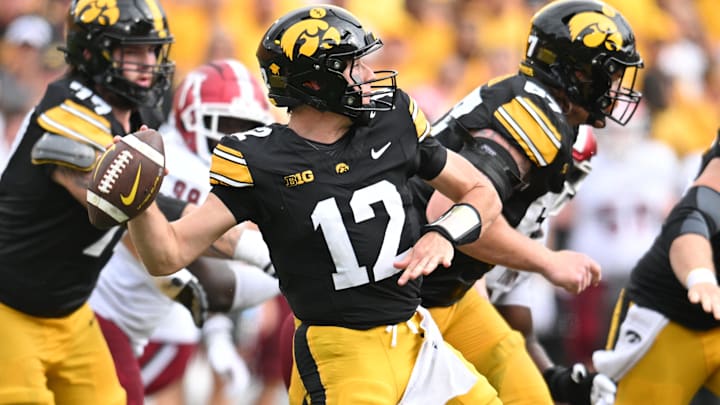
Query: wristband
point(251, 249)
point(700, 275)
point(460, 224)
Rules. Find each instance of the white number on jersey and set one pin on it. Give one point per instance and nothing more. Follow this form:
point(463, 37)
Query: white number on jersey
point(326, 215)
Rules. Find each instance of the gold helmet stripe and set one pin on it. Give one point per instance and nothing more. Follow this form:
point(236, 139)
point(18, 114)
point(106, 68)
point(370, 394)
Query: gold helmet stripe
point(157, 18)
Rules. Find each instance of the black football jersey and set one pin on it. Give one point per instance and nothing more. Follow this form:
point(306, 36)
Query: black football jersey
point(50, 254)
point(524, 113)
point(335, 217)
point(653, 283)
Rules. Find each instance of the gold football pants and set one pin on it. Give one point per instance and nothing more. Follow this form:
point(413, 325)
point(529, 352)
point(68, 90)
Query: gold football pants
point(348, 366)
point(55, 360)
point(679, 362)
point(475, 328)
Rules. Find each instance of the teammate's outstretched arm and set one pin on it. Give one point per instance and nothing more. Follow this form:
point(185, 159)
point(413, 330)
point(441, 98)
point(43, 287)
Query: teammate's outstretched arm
point(695, 220)
point(504, 245)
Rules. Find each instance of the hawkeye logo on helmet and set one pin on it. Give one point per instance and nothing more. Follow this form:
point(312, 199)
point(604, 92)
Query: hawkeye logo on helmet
point(102, 12)
point(307, 36)
point(595, 29)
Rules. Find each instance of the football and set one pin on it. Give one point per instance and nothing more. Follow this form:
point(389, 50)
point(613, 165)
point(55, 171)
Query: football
point(126, 179)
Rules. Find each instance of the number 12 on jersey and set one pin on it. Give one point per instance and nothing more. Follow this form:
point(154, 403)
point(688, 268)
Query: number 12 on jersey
point(326, 217)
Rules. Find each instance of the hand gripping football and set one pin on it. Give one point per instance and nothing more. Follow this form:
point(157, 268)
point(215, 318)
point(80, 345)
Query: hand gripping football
point(126, 179)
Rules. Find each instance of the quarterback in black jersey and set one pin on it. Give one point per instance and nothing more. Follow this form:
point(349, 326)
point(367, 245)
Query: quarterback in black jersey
point(664, 341)
point(50, 255)
point(519, 130)
point(330, 194)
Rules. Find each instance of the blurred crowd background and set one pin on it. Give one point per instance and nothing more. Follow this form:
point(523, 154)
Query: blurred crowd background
point(443, 49)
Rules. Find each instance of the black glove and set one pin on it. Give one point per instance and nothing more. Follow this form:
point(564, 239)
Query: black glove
point(192, 296)
point(577, 386)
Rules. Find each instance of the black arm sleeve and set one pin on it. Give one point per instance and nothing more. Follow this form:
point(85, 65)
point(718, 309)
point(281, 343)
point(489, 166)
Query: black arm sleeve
point(171, 207)
point(495, 162)
point(698, 212)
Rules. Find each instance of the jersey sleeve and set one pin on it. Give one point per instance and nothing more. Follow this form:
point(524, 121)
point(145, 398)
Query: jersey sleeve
point(431, 155)
point(231, 179)
point(228, 166)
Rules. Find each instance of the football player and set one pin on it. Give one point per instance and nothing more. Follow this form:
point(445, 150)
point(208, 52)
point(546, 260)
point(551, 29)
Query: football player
point(330, 194)
point(510, 290)
point(50, 255)
point(215, 99)
point(664, 340)
point(579, 68)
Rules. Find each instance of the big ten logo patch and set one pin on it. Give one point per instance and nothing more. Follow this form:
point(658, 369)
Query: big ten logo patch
point(298, 179)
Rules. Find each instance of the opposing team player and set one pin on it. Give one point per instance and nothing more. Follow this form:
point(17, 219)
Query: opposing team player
point(50, 255)
point(579, 68)
point(665, 335)
point(330, 193)
point(213, 100)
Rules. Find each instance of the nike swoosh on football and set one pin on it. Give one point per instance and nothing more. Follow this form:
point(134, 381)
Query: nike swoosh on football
point(128, 199)
point(375, 154)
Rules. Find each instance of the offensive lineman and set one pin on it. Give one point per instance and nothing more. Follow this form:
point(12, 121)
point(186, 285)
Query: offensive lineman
point(579, 68)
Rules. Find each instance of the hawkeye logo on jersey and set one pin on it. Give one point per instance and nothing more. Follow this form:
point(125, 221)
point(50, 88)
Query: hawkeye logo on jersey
point(595, 29)
point(307, 36)
point(341, 168)
point(299, 179)
point(102, 12)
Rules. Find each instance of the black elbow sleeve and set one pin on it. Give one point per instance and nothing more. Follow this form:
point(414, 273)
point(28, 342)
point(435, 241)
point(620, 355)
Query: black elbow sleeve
point(495, 162)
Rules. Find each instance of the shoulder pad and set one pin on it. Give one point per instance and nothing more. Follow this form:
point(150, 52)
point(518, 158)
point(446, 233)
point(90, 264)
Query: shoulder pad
point(63, 151)
point(76, 121)
point(531, 128)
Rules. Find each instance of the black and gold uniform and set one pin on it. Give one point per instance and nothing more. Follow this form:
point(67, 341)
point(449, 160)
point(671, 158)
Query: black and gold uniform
point(685, 355)
point(50, 254)
point(298, 191)
point(335, 218)
point(44, 232)
point(53, 350)
point(522, 111)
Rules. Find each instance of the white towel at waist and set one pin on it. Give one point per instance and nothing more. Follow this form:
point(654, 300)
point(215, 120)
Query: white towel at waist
point(438, 375)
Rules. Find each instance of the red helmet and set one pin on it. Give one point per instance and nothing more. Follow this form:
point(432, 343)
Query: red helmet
point(216, 99)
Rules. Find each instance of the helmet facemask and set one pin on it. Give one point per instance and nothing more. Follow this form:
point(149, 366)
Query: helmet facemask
point(586, 49)
point(605, 88)
point(356, 102)
point(162, 71)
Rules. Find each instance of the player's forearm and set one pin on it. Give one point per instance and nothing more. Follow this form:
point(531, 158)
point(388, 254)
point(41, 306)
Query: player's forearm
point(689, 252)
point(503, 245)
point(155, 242)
